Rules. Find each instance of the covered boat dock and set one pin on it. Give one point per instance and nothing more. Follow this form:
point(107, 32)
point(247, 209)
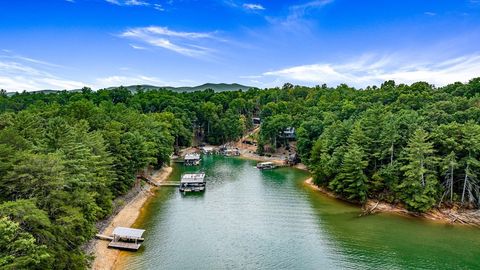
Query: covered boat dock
point(266, 165)
point(192, 159)
point(192, 182)
point(126, 238)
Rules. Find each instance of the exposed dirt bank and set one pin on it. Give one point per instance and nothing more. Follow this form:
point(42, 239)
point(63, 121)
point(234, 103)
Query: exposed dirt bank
point(453, 215)
point(105, 257)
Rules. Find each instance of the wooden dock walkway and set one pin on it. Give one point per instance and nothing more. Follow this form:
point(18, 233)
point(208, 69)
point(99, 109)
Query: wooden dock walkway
point(104, 237)
point(161, 184)
point(169, 184)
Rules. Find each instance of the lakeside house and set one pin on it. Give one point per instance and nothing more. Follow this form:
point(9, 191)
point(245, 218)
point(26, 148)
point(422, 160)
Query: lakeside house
point(288, 133)
point(192, 182)
point(292, 159)
point(192, 159)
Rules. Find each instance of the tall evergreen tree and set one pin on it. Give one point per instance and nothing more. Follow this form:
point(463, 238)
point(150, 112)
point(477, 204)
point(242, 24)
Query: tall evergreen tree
point(352, 181)
point(418, 188)
point(19, 250)
point(471, 164)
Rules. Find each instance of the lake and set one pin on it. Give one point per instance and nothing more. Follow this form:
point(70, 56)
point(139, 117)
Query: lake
point(252, 219)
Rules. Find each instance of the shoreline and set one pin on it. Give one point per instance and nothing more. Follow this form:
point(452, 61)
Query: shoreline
point(246, 154)
point(453, 216)
point(106, 258)
point(450, 216)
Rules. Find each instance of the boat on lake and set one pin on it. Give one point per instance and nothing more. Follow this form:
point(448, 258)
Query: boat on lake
point(266, 166)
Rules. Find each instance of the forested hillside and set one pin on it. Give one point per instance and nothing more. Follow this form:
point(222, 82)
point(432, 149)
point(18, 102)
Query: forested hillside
point(64, 157)
point(418, 145)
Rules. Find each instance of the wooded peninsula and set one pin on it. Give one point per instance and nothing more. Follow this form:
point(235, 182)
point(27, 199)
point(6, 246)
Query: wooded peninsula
point(65, 156)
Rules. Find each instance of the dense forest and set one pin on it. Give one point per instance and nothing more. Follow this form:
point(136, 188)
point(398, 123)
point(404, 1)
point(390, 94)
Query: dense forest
point(65, 156)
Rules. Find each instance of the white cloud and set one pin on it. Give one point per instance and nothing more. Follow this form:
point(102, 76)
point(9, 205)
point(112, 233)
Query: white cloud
point(136, 47)
point(22, 75)
point(158, 7)
point(185, 43)
point(18, 73)
point(9, 55)
point(136, 3)
point(164, 31)
point(118, 80)
point(115, 2)
point(230, 3)
point(298, 11)
point(372, 70)
point(429, 13)
point(253, 6)
point(295, 19)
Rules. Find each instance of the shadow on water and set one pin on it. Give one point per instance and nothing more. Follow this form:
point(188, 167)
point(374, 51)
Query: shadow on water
point(394, 241)
point(192, 195)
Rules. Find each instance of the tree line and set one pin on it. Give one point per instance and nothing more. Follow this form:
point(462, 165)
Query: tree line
point(418, 145)
point(65, 156)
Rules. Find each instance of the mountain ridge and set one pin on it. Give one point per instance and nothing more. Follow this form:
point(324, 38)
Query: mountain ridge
point(217, 87)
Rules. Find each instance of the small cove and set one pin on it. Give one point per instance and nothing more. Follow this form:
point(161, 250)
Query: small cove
point(251, 219)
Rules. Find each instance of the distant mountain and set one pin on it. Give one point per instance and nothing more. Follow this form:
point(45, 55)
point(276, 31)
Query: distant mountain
point(46, 91)
point(217, 87)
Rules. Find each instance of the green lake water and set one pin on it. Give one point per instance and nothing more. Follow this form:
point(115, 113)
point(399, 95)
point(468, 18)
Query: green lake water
point(251, 219)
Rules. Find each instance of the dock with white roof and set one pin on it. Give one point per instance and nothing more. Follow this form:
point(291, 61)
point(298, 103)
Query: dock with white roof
point(192, 182)
point(124, 238)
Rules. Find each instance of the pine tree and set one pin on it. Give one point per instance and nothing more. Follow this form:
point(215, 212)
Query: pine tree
point(471, 164)
point(450, 164)
point(19, 249)
point(352, 181)
point(418, 188)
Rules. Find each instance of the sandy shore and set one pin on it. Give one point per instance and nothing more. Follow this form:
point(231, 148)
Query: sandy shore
point(105, 258)
point(444, 215)
point(252, 156)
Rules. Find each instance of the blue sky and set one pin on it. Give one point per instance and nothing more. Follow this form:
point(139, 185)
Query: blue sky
point(67, 44)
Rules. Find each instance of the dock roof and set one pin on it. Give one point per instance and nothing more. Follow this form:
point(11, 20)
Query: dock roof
point(193, 178)
point(192, 156)
point(128, 232)
point(266, 163)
